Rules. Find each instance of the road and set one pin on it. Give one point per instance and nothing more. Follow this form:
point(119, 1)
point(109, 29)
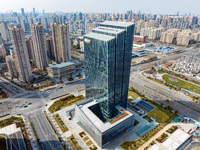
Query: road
point(38, 98)
point(44, 131)
point(160, 93)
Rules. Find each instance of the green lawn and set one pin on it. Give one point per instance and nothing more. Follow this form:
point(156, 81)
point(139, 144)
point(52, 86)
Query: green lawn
point(2, 143)
point(181, 83)
point(160, 114)
point(133, 94)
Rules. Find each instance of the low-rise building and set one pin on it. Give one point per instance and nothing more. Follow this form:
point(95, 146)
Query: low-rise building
point(61, 69)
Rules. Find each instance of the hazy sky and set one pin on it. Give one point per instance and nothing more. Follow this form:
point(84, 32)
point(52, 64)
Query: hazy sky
point(110, 6)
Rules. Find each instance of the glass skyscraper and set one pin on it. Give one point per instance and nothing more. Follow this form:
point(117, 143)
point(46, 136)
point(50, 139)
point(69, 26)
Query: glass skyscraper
point(108, 50)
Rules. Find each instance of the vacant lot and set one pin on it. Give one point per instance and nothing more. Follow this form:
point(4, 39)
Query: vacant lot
point(181, 83)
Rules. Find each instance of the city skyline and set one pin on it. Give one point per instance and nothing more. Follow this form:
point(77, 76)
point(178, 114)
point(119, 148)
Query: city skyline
point(87, 6)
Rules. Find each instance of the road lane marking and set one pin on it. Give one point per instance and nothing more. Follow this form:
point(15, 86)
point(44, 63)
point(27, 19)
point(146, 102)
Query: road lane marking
point(43, 132)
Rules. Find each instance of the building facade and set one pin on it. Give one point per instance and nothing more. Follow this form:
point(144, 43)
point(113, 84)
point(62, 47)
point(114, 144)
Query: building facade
point(49, 46)
point(39, 45)
point(61, 42)
point(61, 69)
point(11, 64)
point(107, 52)
point(5, 32)
point(21, 53)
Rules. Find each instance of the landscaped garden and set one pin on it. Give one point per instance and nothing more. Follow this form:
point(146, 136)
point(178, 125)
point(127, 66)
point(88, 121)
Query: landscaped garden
point(60, 123)
point(74, 143)
point(122, 115)
point(163, 115)
point(9, 121)
point(181, 83)
point(172, 129)
point(64, 102)
point(162, 138)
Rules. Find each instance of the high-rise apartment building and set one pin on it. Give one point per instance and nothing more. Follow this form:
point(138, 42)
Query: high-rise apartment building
point(39, 45)
point(12, 67)
point(107, 51)
point(49, 46)
point(61, 42)
point(4, 32)
point(30, 48)
point(21, 53)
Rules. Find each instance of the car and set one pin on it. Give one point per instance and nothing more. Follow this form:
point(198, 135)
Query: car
point(61, 87)
point(26, 101)
point(16, 106)
point(25, 106)
point(29, 103)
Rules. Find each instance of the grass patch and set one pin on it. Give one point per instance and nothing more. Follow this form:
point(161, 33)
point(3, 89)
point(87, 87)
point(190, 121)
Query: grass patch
point(10, 121)
point(3, 143)
point(132, 94)
point(160, 113)
point(60, 123)
point(181, 83)
point(64, 102)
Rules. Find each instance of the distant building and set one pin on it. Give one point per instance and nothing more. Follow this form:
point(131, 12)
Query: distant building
point(82, 46)
point(61, 42)
point(2, 51)
point(39, 44)
point(5, 32)
point(62, 69)
point(138, 38)
point(151, 33)
point(169, 36)
point(22, 11)
point(21, 53)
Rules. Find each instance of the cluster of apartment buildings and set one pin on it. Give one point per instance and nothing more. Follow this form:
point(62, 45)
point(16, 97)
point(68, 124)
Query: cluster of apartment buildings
point(35, 49)
point(151, 33)
point(179, 37)
point(188, 64)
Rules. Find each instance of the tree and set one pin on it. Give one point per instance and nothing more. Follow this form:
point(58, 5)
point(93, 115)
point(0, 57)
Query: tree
point(167, 100)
